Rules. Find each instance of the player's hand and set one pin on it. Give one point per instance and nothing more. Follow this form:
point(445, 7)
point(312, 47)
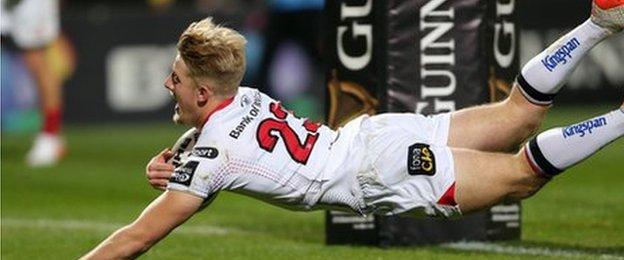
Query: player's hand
point(158, 170)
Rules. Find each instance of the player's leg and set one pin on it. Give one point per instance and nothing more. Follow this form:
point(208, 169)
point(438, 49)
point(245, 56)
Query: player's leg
point(484, 179)
point(511, 121)
point(48, 147)
point(49, 87)
point(501, 126)
point(34, 36)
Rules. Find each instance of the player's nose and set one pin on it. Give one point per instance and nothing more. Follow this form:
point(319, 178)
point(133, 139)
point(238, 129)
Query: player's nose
point(168, 84)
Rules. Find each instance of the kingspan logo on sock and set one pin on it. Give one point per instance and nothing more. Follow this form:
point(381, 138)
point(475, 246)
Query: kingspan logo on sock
point(559, 57)
point(584, 127)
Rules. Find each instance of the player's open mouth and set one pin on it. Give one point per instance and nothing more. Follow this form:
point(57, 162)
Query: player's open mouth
point(175, 98)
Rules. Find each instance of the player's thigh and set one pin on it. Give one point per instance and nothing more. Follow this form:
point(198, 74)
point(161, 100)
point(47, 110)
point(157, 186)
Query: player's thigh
point(500, 126)
point(484, 178)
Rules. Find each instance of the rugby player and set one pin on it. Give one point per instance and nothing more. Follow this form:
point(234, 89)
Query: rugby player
point(31, 26)
point(396, 163)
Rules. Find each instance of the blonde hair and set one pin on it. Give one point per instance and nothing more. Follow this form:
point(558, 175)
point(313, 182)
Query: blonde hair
point(214, 52)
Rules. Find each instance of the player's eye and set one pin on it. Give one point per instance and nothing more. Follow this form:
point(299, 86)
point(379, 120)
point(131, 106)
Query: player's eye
point(174, 78)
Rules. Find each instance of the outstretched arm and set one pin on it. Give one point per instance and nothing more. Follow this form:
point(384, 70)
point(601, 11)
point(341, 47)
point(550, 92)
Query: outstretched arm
point(165, 213)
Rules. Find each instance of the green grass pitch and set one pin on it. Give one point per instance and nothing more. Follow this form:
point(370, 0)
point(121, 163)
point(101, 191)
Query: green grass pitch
point(64, 211)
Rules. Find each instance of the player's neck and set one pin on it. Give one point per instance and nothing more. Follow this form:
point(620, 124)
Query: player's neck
point(212, 106)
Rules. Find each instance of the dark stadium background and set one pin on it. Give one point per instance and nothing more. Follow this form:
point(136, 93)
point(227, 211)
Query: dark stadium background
point(98, 29)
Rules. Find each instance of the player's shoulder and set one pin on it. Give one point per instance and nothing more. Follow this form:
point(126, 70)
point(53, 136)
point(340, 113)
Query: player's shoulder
point(229, 112)
point(252, 96)
point(236, 122)
point(209, 143)
point(207, 156)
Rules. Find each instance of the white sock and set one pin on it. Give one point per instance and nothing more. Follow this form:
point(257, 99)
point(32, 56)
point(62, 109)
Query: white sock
point(543, 76)
point(557, 149)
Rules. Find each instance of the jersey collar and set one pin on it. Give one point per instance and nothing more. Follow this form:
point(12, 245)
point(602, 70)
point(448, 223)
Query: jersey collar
point(221, 106)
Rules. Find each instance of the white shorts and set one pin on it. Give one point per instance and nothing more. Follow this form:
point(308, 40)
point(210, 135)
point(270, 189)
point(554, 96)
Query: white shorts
point(408, 168)
point(32, 23)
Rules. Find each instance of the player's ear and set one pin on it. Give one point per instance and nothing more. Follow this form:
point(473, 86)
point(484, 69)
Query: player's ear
point(204, 92)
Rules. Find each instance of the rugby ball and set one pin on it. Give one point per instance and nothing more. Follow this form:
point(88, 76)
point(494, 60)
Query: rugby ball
point(183, 147)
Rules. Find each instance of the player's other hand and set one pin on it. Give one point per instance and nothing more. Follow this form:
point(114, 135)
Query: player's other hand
point(158, 170)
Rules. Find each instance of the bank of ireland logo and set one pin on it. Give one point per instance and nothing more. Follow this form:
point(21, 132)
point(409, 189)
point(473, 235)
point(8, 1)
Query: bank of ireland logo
point(420, 160)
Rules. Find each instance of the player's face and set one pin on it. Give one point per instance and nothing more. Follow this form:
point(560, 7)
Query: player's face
point(183, 90)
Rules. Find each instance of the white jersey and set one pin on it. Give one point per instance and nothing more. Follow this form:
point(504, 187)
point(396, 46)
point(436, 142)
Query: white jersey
point(253, 146)
point(30, 23)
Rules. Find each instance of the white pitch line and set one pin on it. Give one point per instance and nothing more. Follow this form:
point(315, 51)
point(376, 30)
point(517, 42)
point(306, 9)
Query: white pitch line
point(533, 251)
point(73, 224)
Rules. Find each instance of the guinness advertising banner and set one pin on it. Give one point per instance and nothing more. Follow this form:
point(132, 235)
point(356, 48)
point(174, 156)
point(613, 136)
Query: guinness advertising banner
point(418, 56)
point(425, 57)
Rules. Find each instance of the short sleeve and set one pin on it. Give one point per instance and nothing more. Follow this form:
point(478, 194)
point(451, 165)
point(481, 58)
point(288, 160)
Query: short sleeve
point(196, 173)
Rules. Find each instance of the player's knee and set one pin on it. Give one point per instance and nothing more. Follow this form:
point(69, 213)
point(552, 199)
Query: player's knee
point(524, 130)
point(523, 191)
point(528, 116)
point(529, 129)
point(526, 182)
point(529, 124)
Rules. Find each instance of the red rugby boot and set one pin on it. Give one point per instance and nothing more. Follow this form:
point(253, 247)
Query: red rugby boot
point(608, 14)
